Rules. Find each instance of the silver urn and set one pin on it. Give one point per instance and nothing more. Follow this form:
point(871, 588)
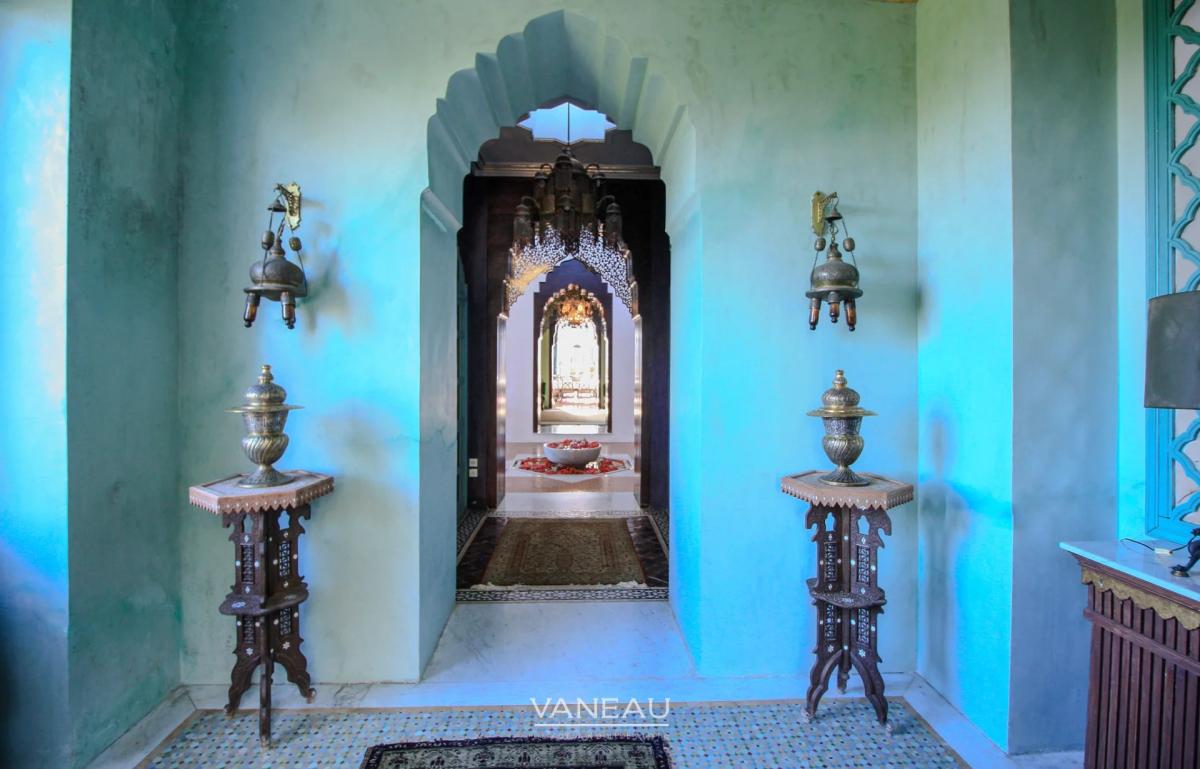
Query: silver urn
point(264, 414)
point(842, 417)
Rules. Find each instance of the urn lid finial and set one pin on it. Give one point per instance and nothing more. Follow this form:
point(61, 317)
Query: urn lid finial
point(264, 396)
point(841, 400)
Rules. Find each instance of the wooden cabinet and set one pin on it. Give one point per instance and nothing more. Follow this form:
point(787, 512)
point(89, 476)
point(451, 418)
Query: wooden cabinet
point(1144, 686)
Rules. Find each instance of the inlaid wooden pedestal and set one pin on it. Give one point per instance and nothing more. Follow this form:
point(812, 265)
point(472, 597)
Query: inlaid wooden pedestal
point(850, 522)
point(268, 588)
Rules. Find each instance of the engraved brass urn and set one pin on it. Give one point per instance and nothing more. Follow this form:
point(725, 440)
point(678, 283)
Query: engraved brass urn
point(264, 414)
point(842, 443)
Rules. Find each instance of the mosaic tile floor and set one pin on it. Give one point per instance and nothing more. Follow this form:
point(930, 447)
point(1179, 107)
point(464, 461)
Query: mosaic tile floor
point(700, 736)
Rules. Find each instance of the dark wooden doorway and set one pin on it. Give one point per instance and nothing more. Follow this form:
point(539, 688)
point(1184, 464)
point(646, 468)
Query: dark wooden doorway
point(490, 194)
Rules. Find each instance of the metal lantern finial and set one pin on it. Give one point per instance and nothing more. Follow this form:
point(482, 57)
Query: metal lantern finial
point(833, 281)
point(274, 276)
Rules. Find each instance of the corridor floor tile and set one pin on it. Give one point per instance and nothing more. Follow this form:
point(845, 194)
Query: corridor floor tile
point(745, 735)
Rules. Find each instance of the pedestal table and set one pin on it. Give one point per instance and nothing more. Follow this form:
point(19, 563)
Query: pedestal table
point(268, 589)
point(850, 522)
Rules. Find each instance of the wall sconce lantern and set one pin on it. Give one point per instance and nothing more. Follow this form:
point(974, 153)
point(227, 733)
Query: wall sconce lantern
point(274, 276)
point(833, 281)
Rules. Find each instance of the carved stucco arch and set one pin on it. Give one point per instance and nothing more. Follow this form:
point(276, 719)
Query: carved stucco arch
point(560, 54)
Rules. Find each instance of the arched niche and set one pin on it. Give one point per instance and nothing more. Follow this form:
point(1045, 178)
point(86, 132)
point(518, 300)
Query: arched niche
point(560, 54)
point(547, 302)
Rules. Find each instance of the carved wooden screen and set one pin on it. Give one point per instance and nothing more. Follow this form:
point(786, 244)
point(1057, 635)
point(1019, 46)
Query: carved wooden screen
point(1173, 164)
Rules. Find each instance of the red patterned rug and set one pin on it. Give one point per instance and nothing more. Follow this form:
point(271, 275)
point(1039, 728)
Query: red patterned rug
point(543, 466)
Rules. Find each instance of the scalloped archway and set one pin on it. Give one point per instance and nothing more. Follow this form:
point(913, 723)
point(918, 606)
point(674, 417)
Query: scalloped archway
point(560, 54)
point(544, 342)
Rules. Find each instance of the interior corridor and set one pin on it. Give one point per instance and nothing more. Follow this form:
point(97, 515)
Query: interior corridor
point(564, 536)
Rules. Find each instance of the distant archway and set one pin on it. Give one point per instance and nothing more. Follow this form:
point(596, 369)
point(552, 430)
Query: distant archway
point(583, 394)
point(561, 54)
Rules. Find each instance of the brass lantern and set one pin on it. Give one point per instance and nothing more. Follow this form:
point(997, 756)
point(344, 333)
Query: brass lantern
point(833, 281)
point(274, 276)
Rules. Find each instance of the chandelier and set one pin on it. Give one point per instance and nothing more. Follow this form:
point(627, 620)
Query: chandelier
point(569, 216)
point(575, 309)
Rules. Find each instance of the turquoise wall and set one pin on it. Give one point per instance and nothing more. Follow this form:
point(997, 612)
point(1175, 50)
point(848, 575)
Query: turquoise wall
point(378, 120)
point(754, 367)
point(748, 118)
point(122, 367)
point(35, 40)
point(1018, 246)
point(965, 247)
point(1064, 350)
point(182, 117)
point(1131, 268)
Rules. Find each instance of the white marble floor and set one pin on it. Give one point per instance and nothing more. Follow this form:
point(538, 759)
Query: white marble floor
point(507, 653)
point(567, 502)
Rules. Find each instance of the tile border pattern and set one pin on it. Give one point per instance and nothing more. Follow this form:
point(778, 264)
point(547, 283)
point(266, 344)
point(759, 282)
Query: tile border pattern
point(700, 732)
point(468, 525)
point(662, 524)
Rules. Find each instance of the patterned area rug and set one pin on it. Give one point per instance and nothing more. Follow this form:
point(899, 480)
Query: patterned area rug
point(523, 753)
point(743, 735)
point(546, 552)
point(480, 533)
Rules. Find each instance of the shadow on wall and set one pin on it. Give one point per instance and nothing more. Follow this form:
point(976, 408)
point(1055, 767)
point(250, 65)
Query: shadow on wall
point(327, 294)
point(32, 612)
point(965, 576)
point(944, 523)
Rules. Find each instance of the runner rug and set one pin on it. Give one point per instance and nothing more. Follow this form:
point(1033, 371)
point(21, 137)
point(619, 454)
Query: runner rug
point(544, 551)
point(610, 752)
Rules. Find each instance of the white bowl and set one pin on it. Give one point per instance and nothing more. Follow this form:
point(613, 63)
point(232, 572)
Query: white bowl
point(571, 457)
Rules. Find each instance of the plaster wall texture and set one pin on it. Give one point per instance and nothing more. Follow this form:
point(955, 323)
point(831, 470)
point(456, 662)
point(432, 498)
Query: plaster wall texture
point(1036, 177)
point(35, 55)
point(707, 86)
point(965, 242)
point(522, 386)
point(1131, 267)
point(121, 367)
point(1065, 349)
